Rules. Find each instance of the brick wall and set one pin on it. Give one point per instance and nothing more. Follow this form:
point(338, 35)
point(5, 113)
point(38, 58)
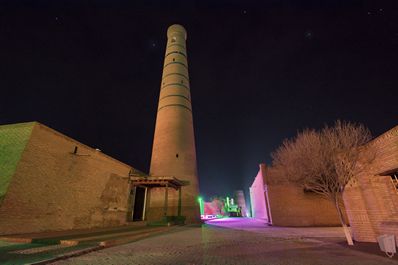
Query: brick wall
point(284, 203)
point(371, 199)
point(54, 189)
point(291, 206)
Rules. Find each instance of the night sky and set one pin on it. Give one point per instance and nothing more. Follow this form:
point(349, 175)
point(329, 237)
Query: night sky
point(260, 71)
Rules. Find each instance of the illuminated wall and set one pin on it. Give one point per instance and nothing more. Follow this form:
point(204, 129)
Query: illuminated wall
point(48, 187)
point(257, 199)
point(282, 203)
point(290, 205)
point(372, 199)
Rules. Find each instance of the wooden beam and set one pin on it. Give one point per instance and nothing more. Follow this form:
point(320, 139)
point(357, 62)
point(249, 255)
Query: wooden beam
point(179, 201)
point(166, 199)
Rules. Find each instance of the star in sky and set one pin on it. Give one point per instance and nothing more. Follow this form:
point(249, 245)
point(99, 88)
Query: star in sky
point(309, 34)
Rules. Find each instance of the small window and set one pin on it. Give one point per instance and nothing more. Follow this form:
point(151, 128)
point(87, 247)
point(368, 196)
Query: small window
point(174, 59)
point(176, 155)
point(182, 81)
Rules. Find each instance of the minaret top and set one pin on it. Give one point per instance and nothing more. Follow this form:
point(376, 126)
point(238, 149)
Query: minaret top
point(176, 30)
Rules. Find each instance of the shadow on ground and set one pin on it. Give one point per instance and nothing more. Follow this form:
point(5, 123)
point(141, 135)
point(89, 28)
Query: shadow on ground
point(25, 253)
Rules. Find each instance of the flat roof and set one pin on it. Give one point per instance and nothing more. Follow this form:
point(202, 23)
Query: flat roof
point(158, 181)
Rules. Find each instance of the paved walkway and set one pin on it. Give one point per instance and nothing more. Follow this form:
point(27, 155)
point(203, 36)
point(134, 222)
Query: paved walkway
point(56, 236)
point(38, 247)
point(259, 226)
point(244, 243)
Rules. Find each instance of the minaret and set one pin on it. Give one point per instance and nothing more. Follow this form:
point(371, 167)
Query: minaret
point(173, 152)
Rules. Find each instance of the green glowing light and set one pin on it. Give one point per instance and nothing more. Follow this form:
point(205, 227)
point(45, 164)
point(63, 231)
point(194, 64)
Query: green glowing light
point(201, 205)
point(230, 208)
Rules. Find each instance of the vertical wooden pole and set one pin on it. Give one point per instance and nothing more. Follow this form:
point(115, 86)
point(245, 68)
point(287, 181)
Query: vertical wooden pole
point(166, 197)
point(179, 201)
point(145, 199)
point(133, 192)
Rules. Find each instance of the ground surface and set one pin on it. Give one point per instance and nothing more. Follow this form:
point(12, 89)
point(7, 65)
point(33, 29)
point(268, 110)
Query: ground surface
point(27, 253)
point(237, 241)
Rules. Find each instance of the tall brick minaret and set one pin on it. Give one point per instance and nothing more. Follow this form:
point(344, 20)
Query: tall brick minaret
point(173, 152)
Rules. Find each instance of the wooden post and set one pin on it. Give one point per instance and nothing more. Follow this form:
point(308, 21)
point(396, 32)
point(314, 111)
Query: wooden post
point(166, 197)
point(179, 201)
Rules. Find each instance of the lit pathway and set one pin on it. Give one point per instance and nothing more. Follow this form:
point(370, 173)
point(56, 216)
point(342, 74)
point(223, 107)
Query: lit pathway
point(259, 226)
point(230, 244)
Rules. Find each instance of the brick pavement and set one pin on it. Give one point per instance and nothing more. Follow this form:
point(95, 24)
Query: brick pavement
point(227, 246)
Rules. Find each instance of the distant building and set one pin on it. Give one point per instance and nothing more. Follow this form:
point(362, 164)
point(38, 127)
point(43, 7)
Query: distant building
point(284, 204)
point(231, 209)
point(223, 207)
point(371, 198)
point(241, 202)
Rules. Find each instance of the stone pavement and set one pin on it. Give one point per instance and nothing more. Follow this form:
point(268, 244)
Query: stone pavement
point(259, 226)
point(228, 245)
point(40, 248)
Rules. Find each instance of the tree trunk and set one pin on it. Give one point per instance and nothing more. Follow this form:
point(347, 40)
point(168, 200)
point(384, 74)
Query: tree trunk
point(347, 232)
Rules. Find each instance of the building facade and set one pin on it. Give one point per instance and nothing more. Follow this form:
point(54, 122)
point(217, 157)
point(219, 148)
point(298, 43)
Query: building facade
point(241, 202)
point(52, 182)
point(371, 198)
point(258, 203)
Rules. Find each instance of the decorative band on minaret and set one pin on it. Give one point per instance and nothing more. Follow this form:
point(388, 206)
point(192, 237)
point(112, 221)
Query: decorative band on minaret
point(175, 91)
point(174, 152)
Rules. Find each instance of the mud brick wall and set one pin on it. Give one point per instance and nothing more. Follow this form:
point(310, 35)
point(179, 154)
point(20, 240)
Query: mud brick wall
point(371, 198)
point(290, 205)
point(54, 188)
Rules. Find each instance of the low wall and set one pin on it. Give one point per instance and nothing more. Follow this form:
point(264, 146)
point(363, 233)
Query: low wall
point(291, 206)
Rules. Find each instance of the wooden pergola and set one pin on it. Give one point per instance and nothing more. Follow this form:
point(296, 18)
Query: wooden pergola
point(155, 181)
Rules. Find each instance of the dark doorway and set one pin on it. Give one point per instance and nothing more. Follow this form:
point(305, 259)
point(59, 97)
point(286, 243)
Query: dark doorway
point(139, 204)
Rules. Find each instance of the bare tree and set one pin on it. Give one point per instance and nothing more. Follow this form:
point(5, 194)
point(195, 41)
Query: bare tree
point(325, 161)
point(218, 205)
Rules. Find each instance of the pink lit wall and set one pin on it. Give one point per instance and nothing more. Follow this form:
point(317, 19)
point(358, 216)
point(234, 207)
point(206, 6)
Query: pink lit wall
point(257, 198)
